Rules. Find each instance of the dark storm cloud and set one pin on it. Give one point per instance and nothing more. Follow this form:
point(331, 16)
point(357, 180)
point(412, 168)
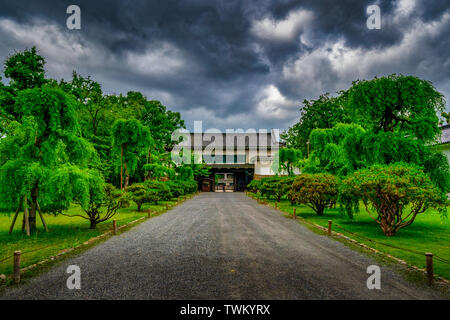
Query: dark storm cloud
point(231, 63)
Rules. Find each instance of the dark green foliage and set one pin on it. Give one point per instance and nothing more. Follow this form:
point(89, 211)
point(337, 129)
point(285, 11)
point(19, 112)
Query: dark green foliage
point(176, 188)
point(189, 186)
point(161, 122)
point(276, 187)
point(42, 148)
point(60, 140)
point(397, 103)
point(199, 168)
point(322, 113)
point(103, 206)
point(185, 173)
point(139, 194)
point(160, 190)
point(389, 190)
point(157, 171)
point(130, 140)
point(317, 191)
point(287, 160)
point(254, 186)
point(337, 150)
point(25, 69)
point(346, 148)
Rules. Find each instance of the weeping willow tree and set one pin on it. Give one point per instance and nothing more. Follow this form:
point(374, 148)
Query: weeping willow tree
point(40, 153)
point(287, 159)
point(337, 150)
point(131, 140)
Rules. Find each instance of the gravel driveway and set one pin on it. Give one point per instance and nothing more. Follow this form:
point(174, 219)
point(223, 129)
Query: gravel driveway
point(219, 246)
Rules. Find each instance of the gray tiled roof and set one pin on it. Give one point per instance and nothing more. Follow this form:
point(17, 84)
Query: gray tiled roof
point(445, 138)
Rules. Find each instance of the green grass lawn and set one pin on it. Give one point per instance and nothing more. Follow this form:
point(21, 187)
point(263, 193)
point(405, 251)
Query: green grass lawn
point(64, 232)
point(428, 233)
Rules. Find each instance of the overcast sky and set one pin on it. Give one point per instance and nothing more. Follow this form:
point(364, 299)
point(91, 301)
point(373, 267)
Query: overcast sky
point(233, 63)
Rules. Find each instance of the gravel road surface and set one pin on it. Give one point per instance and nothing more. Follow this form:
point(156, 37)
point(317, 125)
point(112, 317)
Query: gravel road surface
point(219, 246)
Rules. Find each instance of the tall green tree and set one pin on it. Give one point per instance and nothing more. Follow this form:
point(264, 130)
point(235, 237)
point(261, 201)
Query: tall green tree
point(131, 140)
point(287, 160)
point(42, 146)
point(97, 113)
point(25, 70)
point(323, 113)
point(397, 103)
point(92, 107)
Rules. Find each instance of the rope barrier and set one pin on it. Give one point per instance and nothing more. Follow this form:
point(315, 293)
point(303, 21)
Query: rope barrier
point(26, 252)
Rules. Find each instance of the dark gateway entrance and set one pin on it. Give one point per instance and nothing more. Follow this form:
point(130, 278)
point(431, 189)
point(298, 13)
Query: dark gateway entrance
point(228, 178)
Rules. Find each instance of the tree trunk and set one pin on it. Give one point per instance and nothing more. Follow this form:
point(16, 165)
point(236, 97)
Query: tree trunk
point(387, 214)
point(139, 207)
point(149, 160)
point(319, 209)
point(121, 168)
point(93, 224)
point(387, 226)
point(33, 209)
point(127, 176)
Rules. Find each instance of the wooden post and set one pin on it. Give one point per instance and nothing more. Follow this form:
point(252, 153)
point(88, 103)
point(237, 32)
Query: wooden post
point(149, 213)
point(429, 257)
point(167, 206)
point(294, 215)
point(276, 205)
point(17, 266)
point(329, 227)
point(114, 227)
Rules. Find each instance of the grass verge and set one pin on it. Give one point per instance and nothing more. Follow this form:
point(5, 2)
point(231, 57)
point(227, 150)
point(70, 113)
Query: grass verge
point(428, 233)
point(64, 233)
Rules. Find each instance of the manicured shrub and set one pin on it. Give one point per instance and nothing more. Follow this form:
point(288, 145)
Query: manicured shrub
point(159, 191)
point(177, 189)
point(317, 191)
point(254, 186)
point(139, 194)
point(397, 193)
point(190, 186)
point(102, 208)
point(276, 187)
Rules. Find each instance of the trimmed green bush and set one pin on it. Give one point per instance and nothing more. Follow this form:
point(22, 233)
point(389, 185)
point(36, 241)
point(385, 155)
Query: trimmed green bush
point(159, 190)
point(139, 194)
point(254, 186)
point(317, 191)
point(389, 189)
